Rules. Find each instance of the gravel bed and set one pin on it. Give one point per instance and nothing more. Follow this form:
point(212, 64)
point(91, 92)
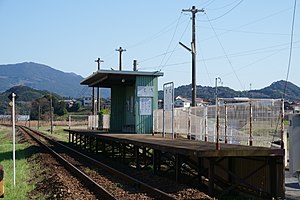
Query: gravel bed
point(54, 182)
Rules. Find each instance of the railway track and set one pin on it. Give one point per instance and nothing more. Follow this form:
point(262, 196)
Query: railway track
point(102, 180)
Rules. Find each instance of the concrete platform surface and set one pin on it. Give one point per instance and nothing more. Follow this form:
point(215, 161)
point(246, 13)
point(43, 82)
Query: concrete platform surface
point(292, 188)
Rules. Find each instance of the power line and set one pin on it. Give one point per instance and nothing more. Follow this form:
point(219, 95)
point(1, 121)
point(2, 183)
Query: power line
point(207, 3)
point(171, 53)
point(238, 54)
point(225, 54)
point(249, 32)
point(249, 23)
point(291, 49)
point(222, 6)
point(156, 35)
point(171, 40)
point(153, 57)
point(254, 62)
point(206, 69)
point(226, 12)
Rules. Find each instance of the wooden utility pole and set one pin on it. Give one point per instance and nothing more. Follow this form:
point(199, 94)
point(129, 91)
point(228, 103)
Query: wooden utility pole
point(193, 50)
point(51, 115)
point(120, 50)
point(39, 117)
point(99, 61)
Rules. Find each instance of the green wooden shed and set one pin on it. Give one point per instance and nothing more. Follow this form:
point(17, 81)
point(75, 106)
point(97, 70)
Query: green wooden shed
point(134, 96)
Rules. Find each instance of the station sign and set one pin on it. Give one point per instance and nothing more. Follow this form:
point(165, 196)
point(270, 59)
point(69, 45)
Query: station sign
point(145, 91)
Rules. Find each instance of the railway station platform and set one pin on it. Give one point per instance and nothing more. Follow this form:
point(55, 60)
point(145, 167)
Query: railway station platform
point(233, 169)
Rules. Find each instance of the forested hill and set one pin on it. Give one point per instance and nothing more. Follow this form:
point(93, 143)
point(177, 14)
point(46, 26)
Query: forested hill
point(25, 96)
point(274, 91)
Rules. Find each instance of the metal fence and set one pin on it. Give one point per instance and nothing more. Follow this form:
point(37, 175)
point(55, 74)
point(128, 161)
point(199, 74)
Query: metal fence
point(256, 122)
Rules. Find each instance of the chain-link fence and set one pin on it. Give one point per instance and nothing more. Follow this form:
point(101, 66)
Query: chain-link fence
point(255, 122)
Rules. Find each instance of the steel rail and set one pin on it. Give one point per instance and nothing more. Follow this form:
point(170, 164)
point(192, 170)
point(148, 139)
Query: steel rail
point(97, 189)
point(158, 193)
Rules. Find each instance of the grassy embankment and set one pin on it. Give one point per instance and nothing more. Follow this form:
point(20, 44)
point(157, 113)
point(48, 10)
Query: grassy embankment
point(23, 151)
point(58, 132)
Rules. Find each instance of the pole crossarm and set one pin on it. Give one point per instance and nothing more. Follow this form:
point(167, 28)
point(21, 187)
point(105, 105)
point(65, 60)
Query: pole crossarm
point(99, 61)
point(120, 50)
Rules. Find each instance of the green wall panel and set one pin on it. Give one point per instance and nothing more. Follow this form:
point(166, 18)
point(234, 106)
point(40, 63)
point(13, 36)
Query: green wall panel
point(144, 123)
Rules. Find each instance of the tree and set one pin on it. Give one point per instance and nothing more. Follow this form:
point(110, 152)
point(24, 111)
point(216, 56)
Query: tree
point(43, 104)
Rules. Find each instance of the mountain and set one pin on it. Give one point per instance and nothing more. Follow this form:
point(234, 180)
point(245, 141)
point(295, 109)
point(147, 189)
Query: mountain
point(274, 91)
point(43, 77)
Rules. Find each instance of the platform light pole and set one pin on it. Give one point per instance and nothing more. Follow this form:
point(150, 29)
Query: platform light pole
point(120, 50)
point(194, 10)
point(98, 61)
point(217, 115)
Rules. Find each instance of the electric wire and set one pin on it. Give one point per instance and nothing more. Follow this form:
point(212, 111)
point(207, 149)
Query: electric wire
point(204, 61)
point(207, 3)
point(230, 63)
point(158, 34)
point(249, 32)
point(149, 39)
point(225, 12)
point(289, 61)
point(205, 66)
point(219, 8)
point(171, 40)
point(291, 49)
point(153, 57)
point(256, 61)
point(175, 46)
point(249, 23)
point(233, 55)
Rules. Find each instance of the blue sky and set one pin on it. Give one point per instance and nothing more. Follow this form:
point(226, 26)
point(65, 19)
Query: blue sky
point(242, 41)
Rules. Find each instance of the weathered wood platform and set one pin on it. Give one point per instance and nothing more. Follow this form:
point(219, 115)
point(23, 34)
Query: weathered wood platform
point(256, 171)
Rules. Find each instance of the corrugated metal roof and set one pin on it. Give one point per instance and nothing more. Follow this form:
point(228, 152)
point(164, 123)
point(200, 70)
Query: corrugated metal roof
point(107, 78)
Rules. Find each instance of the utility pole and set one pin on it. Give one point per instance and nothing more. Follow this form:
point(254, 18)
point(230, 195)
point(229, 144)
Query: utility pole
point(39, 117)
point(99, 61)
point(51, 115)
point(120, 50)
point(193, 50)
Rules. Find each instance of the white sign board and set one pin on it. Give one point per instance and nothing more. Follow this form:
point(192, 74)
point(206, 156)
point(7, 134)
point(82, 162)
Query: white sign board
point(145, 106)
point(145, 91)
point(168, 97)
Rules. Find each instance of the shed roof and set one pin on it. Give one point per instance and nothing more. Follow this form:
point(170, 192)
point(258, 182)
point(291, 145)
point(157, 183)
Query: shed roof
point(108, 78)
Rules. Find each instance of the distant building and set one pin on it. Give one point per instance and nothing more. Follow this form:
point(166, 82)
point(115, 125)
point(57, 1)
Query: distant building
point(201, 102)
point(87, 101)
point(70, 103)
point(182, 102)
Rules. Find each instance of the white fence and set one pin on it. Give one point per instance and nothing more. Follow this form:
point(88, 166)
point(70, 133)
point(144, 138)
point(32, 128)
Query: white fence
point(93, 122)
point(257, 122)
point(78, 121)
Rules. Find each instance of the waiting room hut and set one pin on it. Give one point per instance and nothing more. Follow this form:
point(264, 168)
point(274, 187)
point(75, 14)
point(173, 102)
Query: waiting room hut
point(134, 96)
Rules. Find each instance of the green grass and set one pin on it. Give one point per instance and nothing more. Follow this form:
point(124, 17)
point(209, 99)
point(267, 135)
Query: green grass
point(23, 151)
point(58, 132)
